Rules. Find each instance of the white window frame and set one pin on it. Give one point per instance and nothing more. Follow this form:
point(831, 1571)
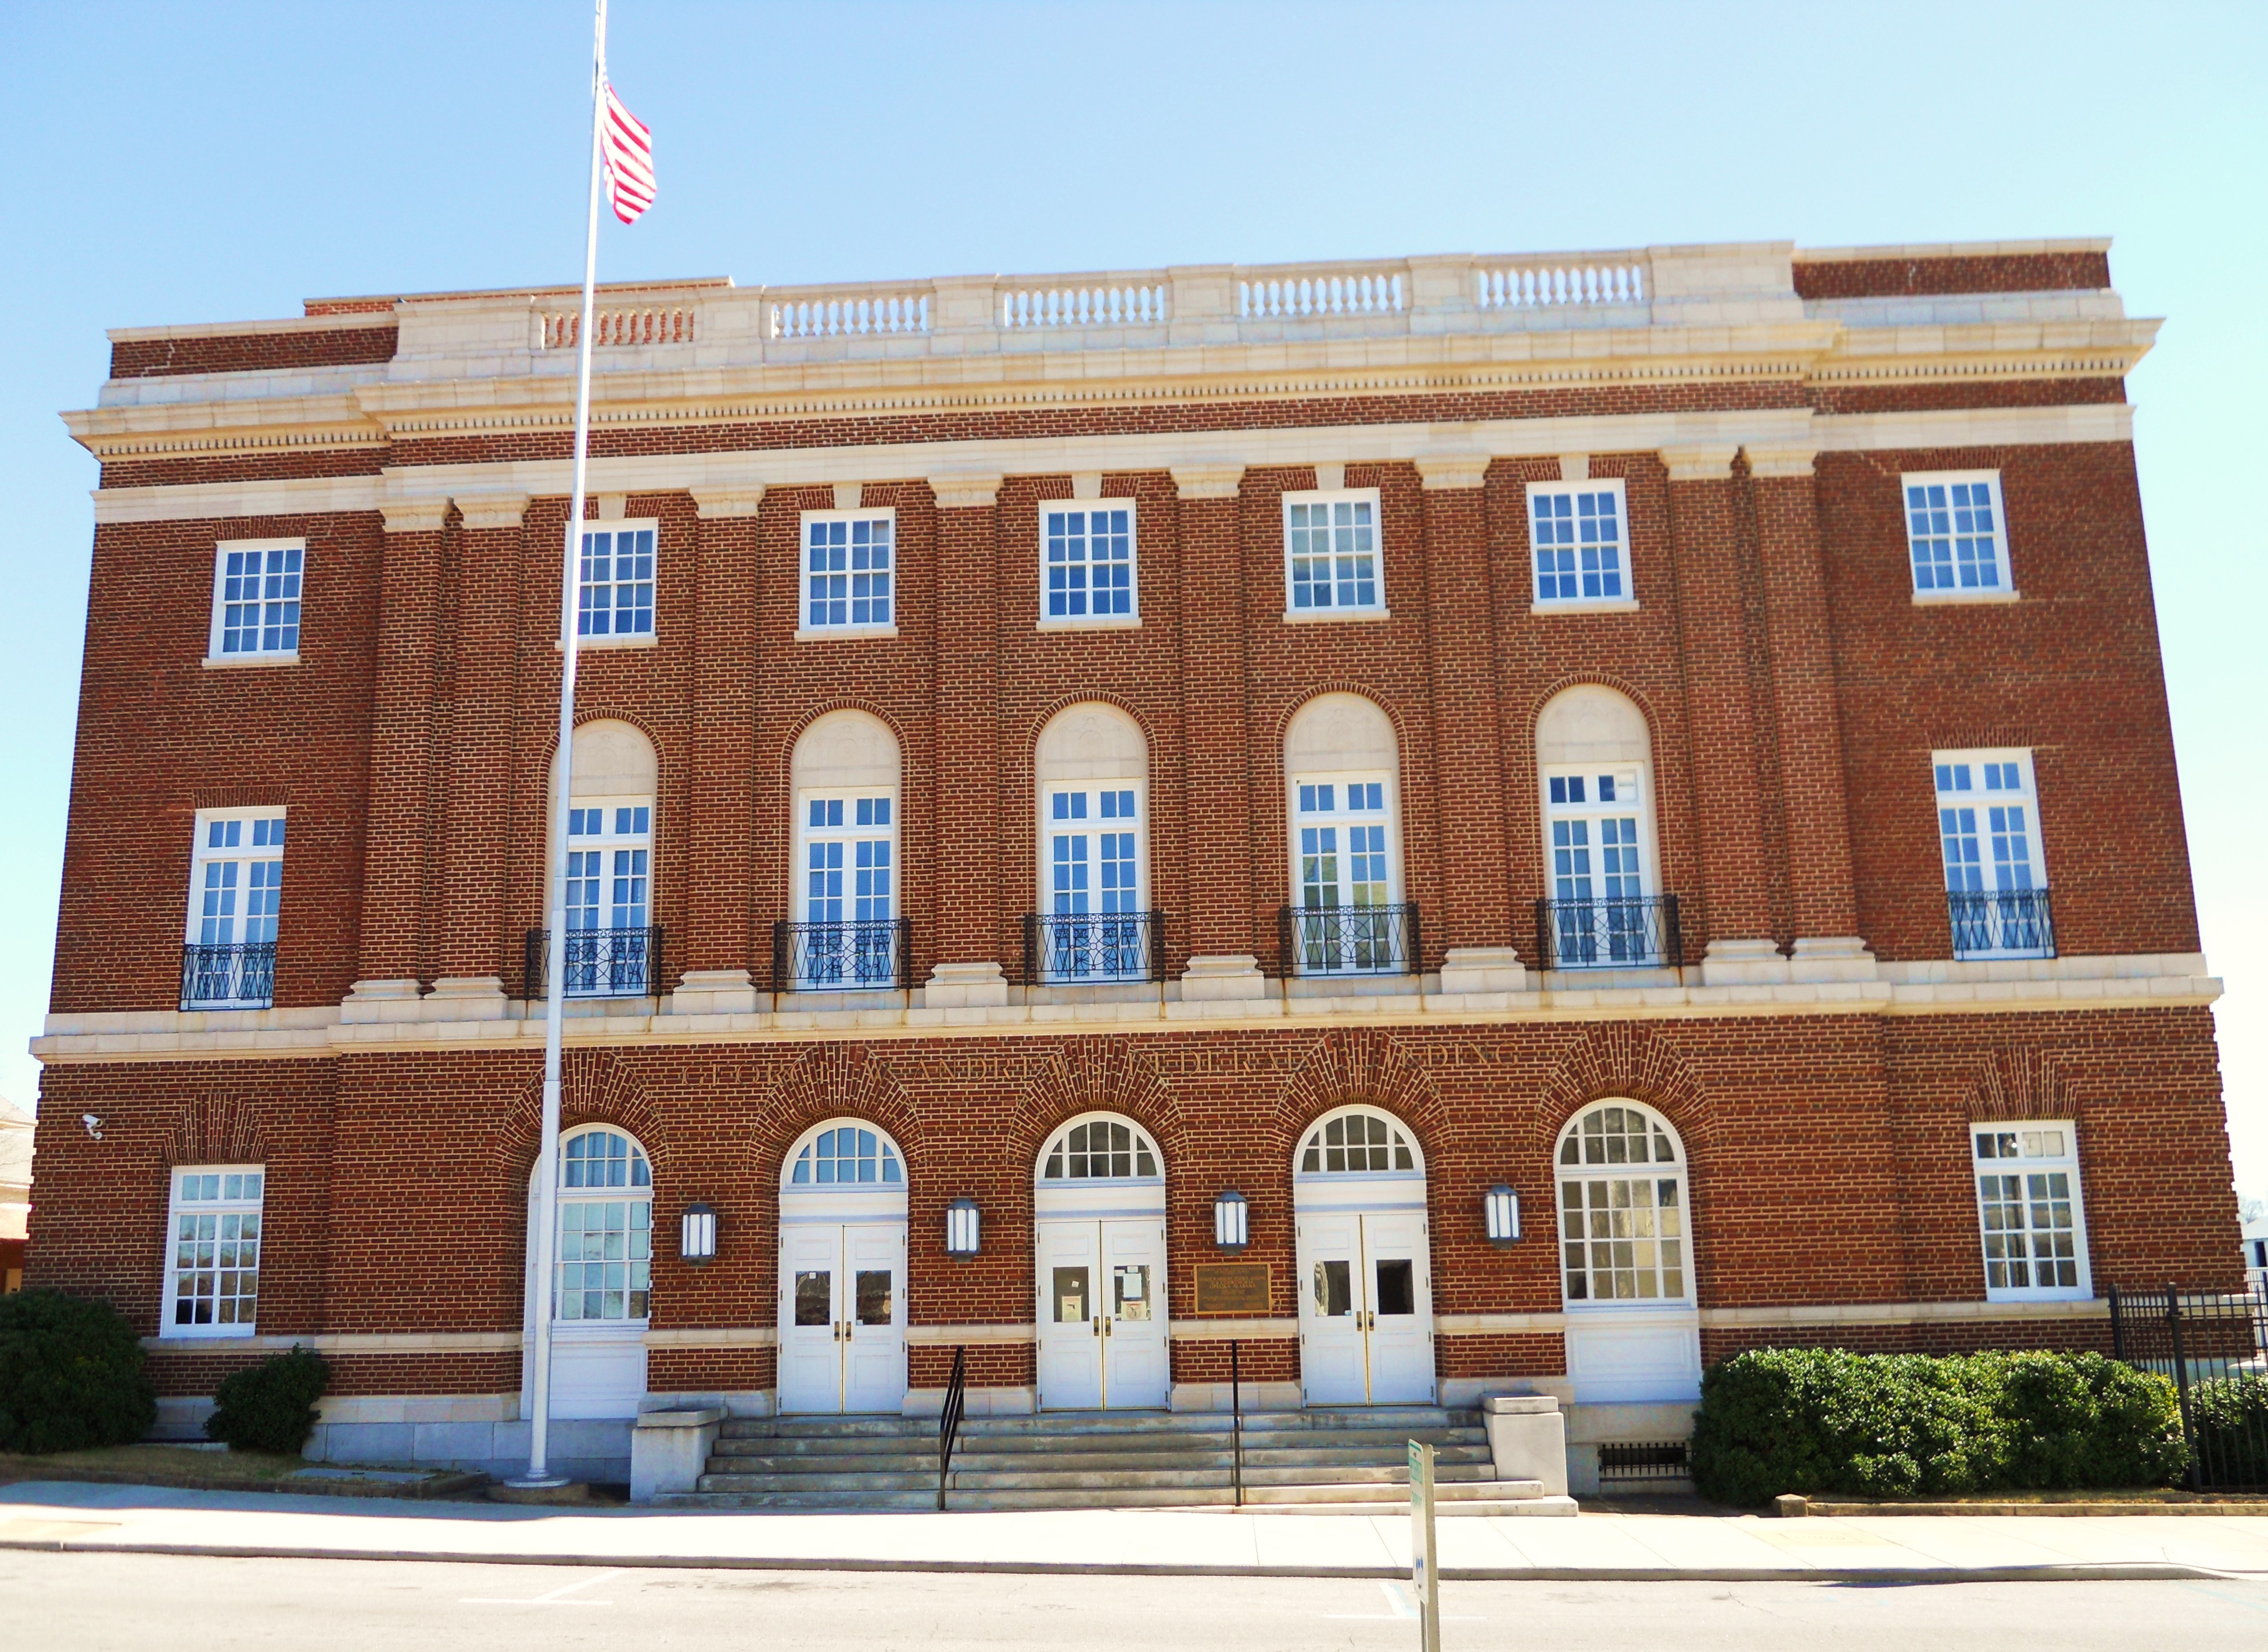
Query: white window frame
point(622, 967)
point(1606, 931)
point(1588, 1174)
point(245, 853)
point(218, 628)
point(2004, 587)
point(1351, 947)
point(577, 1198)
point(805, 630)
point(1625, 601)
point(1092, 621)
point(1045, 906)
point(646, 638)
point(1980, 795)
point(799, 891)
point(2031, 1138)
point(1376, 610)
point(220, 1207)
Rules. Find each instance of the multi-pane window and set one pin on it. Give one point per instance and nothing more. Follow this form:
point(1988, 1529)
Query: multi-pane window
point(1597, 819)
point(236, 890)
point(1331, 552)
point(256, 599)
point(1955, 534)
point(847, 568)
point(1577, 537)
point(849, 847)
point(1092, 926)
point(1989, 836)
point(1356, 1144)
point(617, 582)
point(213, 1271)
point(2027, 1210)
point(1343, 852)
point(609, 898)
point(846, 1154)
point(1087, 553)
point(1100, 1149)
point(1622, 1209)
point(606, 1227)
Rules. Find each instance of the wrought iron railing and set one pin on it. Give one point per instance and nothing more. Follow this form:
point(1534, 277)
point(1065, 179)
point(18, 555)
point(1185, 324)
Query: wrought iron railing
point(2213, 1345)
point(2000, 924)
point(849, 956)
point(1631, 932)
point(239, 977)
point(601, 963)
point(948, 1422)
point(1381, 940)
point(1082, 948)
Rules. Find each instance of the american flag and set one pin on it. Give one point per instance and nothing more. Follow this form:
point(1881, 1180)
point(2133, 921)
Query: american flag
point(628, 144)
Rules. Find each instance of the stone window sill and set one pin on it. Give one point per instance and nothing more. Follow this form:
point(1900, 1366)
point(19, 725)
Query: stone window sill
point(231, 661)
point(1943, 598)
point(830, 633)
point(1105, 622)
point(1590, 605)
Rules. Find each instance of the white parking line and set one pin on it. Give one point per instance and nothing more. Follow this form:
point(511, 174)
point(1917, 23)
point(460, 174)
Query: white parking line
point(556, 1597)
point(1403, 1610)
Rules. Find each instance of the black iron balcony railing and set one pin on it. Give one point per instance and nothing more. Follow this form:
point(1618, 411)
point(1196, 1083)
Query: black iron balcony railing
point(856, 955)
point(1628, 932)
point(601, 963)
point(239, 977)
point(1085, 948)
point(2002, 923)
point(1382, 940)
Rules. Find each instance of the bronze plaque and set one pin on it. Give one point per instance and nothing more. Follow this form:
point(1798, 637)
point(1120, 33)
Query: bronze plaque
point(1232, 1287)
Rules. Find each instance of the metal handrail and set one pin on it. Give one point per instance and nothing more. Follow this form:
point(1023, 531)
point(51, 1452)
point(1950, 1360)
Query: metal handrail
point(1381, 940)
point(2000, 922)
point(855, 955)
point(1236, 1425)
point(601, 963)
point(948, 1426)
point(1092, 948)
point(241, 976)
point(1622, 932)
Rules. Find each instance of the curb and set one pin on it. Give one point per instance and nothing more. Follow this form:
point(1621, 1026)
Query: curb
point(2057, 1572)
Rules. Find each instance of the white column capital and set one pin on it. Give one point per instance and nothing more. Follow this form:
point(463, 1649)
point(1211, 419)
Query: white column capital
point(1441, 471)
point(742, 501)
point(1700, 461)
point(1781, 459)
point(1208, 482)
point(965, 490)
point(414, 516)
point(493, 510)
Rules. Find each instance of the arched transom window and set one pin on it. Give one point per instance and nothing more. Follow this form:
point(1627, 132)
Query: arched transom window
point(1100, 1149)
point(1355, 1144)
point(606, 1226)
point(1622, 1208)
point(847, 1155)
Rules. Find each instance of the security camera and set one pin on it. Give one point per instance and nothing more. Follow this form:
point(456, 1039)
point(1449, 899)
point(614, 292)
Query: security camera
point(94, 1125)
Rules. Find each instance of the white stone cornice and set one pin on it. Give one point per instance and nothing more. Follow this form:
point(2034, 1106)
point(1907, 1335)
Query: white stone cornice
point(414, 516)
point(483, 512)
point(1208, 480)
point(965, 490)
point(1700, 461)
point(1445, 470)
point(1976, 427)
point(743, 501)
point(1789, 458)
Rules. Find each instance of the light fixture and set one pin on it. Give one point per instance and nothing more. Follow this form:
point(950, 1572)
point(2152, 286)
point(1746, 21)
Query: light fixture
point(960, 1232)
point(1500, 1211)
point(697, 1235)
point(1232, 1228)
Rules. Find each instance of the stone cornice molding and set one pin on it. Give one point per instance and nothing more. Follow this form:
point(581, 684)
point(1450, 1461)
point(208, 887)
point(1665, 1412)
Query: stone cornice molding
point(742, 501)
point(414, 516)
point(1208, 482)
point(1709, 461)
point(965, 490)
point(486, 512)
point(1792, 459)
point(1443, 470)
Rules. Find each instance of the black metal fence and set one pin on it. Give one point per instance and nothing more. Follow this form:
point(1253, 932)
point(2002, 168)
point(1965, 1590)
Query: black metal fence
point(1637, 932)
point(2001, 922)
point(601, 963)
point(1088, 949)
point(2213, 1345)
point(240, 977)
point(1645, 1463)
point(1382, 940)
point(855, 955)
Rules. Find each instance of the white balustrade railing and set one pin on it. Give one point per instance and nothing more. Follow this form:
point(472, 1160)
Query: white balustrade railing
point(621, 326)
point(1135, 303)
point(1526, 286)
point(1319, 292)
point(818, 315)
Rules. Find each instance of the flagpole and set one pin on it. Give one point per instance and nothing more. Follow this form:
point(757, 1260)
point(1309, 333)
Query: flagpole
point(545, 1239)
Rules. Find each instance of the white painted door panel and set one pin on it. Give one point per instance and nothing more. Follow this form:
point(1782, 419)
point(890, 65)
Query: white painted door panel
point(1135, 1376)
point(873, 1294)
point(810, 1318)
point(1399, 1308)
point(1069, 1316)
point(1331, 1355)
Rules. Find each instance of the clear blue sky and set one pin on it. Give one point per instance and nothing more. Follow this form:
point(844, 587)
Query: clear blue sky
point(214, 162)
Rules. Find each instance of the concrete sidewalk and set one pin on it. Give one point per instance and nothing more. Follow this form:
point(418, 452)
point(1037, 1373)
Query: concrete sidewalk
point(55, 1515)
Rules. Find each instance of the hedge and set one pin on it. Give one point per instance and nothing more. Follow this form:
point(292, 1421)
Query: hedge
point(269, 1406)
point(70, 1374)
point(2231, 1419)
point(1899, 1425)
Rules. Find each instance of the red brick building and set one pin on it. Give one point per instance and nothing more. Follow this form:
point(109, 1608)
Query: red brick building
point(1677, 735)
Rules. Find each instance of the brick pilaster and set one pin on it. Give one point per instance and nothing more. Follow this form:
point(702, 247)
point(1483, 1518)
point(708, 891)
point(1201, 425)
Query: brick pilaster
point(1475, 881)
point(970, 925)
point(720, 915)
point(1213, 713)
point(401, 749)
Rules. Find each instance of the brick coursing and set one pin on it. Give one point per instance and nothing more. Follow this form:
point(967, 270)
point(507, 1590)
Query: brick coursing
point(1916, 277)
point(251, 352)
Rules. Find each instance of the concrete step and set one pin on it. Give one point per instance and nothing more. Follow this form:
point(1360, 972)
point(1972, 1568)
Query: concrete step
point(1385, 1494)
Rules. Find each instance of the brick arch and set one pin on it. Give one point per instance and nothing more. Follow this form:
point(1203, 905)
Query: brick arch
point(1377, 697)
point(1621, 1059)
point(1366, 1065)
point(216, 1129)
point(1622, 686)
point(843, 702)
point(2011, 1083)
point(1030, 744)
point(835, 1080)
point(595, 1087)
point(1077, 1075)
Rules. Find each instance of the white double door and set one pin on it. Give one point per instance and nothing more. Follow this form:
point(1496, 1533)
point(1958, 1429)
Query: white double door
point(842, 1317)
point(1366, 1308)
point(1103, 1314)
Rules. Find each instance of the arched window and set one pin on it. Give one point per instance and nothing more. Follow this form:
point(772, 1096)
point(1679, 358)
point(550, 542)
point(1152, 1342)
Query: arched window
point(606, 1226)
point(1595, 778)
point(1358, 1142)
point(1093, 796)
point(1099, 1149)
point(846, 1154)
point(1342, 774)
point(1622, 1229)
point(845, 778)
point(610, 896)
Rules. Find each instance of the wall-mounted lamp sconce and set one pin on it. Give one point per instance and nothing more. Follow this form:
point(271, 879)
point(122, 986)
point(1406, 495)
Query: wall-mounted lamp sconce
point(697, 1235)
point(1500, 1211)
point(961, 1228)
point(1232, 1219)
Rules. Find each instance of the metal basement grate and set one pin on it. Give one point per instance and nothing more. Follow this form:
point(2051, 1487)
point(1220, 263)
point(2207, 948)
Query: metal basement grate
point(1629, 1462)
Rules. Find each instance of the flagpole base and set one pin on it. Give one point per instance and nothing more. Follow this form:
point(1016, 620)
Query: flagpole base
point(541, 1488)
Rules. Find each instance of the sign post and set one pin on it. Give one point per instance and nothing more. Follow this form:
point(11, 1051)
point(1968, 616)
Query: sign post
point(1425, 1573)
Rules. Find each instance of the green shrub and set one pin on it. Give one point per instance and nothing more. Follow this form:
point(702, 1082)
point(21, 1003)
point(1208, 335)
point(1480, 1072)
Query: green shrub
point(70, 1374)
point(1902, 1425)
point(269, 1406)
point(2231, 1419)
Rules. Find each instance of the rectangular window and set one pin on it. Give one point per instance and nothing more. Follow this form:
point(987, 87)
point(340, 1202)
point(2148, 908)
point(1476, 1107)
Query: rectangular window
point(2028, 1211)
point(1601, 914)
point(1346, 918)
point(256, 605)
point(847, 853)
point(1086, 561)
point(1092, 926)
point(1995, 871)
point(1331, 563)
point(213, 1268)
point(1955, 535)
point(1577, 537)
point(848, 567)
point(617, 578)
point(609, 896)
point(236, 892)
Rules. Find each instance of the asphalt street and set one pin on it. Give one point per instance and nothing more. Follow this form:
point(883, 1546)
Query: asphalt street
point(90, 1602)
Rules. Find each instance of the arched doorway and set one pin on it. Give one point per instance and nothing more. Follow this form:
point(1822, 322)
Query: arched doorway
point(1365, 1269)
point(842, 1270)
point(1626, 1257)
point(1098, 1254)
point(599, 1268)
